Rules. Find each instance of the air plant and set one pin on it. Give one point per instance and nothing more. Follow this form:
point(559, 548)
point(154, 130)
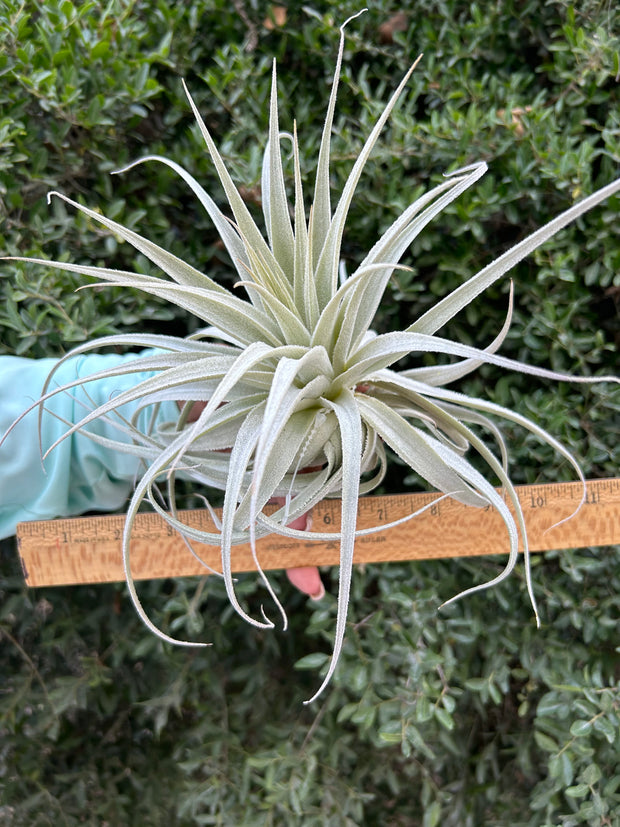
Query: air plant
point(300, 397)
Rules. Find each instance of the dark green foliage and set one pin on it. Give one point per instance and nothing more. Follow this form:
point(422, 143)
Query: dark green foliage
point(464, 717)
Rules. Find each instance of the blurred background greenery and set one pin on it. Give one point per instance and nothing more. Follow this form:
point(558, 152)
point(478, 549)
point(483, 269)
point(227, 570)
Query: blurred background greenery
point(464, 717)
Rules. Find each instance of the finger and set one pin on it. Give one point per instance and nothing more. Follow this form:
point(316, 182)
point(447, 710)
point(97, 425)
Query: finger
point(307, 580)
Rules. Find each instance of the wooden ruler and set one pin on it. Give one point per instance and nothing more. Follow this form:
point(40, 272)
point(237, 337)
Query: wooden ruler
point(88, 549)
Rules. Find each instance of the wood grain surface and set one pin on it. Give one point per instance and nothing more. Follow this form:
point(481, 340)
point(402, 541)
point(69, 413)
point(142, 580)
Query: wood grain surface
point(88, 549)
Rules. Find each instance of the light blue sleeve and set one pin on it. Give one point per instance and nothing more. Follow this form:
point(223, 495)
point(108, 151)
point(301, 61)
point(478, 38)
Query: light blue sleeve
point(79, 475)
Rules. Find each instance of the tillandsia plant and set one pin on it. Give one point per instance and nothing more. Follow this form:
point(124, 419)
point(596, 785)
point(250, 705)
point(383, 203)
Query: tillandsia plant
point(299, 397)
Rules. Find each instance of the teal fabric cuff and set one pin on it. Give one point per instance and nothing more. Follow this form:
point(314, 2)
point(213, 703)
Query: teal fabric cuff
point(79, 475)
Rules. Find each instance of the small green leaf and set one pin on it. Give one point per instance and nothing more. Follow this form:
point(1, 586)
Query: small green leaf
point(423, 709)
point(560, 767)
point(444, 718)
point(449, 702)
point(100, 49)
point(609, 729)
point(591, 774)
point(579, 728)
point(578, 791)
point(315, 660)
point(545, 742)
point(494, 692)
point(345, 712)
point(476, 684)
point(551, 704)
point(432, 815)
point(390, 737)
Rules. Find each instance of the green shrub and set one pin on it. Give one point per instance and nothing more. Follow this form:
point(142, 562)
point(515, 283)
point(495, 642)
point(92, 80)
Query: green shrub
point(465, 717)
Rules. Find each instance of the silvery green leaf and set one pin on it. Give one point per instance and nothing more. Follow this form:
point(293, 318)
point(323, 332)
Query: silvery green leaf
point(445, 309)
